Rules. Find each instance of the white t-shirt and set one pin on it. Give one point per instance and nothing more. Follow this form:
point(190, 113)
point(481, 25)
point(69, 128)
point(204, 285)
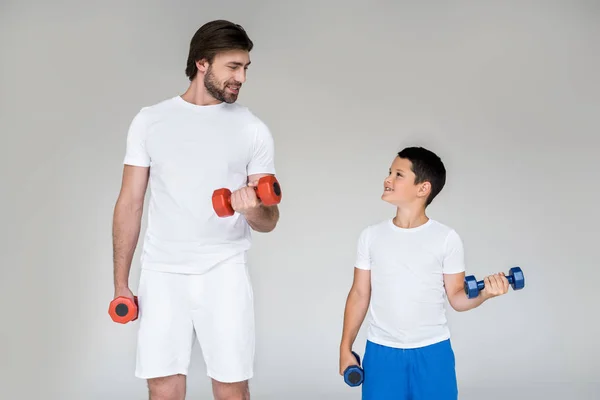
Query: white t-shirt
point(191, 151)
point(407, 307)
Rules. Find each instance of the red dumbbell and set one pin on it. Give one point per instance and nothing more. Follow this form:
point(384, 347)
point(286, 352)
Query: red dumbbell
point(267, 190)
point(123, 309)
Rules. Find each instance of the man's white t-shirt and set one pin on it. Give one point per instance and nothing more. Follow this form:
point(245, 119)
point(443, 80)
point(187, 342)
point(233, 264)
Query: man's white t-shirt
point(407, 266)
point(191, 151)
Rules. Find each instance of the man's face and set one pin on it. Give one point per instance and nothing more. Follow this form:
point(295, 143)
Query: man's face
point(225, 76)
point(399, 186)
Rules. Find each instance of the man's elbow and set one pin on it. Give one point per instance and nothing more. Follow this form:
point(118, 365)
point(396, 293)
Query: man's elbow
point(129, 204)
point(264, 227)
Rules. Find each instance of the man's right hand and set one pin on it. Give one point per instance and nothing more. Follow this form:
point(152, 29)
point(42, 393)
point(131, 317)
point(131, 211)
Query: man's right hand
point(123, 291)
point(347, 359)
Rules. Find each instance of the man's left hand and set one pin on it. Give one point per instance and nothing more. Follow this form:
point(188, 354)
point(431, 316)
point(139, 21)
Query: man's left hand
point(245, 199)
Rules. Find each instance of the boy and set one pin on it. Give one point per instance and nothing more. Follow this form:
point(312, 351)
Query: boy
point(405, 268)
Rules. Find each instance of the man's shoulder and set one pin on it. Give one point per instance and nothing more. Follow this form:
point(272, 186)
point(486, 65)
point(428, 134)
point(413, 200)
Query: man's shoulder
point(156, 109)
point(245, 113)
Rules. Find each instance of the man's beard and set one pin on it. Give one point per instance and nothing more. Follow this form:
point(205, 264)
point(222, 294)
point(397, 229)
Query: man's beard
point(212, 86)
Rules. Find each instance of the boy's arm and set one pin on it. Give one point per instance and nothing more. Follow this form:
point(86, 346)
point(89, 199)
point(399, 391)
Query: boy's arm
point(495, 285)
point(357, 304)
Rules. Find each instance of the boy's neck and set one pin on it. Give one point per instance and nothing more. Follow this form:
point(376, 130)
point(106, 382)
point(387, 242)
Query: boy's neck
point(406, 218)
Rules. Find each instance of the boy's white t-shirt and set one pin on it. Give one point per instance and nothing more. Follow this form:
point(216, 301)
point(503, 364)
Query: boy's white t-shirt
point(191, 151)
point(407, 266)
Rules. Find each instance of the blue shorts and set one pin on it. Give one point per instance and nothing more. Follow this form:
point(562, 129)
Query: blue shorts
point(425, 373)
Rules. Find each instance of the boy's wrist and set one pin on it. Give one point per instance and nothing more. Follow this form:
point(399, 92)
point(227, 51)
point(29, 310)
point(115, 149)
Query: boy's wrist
point(485, 296)
point(345, 346)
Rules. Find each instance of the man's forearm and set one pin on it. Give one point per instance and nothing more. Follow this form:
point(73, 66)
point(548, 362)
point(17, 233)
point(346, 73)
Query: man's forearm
point(126, 229)
point(354, 315)
point(263, 218)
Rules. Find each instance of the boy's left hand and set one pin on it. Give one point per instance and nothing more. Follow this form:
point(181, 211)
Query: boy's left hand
point(495, 285)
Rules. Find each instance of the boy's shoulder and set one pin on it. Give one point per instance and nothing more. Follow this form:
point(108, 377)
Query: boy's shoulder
point(431, 224)
point(430, 231)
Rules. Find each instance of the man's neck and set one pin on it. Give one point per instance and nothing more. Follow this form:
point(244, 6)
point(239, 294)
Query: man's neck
point(197, 94)
point(407, 218)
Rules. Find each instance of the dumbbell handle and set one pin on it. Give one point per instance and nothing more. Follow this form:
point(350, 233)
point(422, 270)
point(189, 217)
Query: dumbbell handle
point(481, 284)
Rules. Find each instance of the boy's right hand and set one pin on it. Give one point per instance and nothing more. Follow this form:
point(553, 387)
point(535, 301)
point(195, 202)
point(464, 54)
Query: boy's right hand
point(347, 359)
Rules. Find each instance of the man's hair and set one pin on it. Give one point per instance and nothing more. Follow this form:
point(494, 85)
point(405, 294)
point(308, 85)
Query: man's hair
point(427, 167)
point(212, 38)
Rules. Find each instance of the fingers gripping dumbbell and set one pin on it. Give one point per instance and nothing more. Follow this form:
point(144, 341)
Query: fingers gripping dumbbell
point(515, 278)
point(123, 310)
point(354, 374)
point(267, 190)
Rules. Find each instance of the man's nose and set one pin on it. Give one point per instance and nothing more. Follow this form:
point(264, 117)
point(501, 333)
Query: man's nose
point(240, 76)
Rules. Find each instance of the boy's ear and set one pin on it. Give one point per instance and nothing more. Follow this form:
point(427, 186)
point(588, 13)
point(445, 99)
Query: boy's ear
point(424, 189)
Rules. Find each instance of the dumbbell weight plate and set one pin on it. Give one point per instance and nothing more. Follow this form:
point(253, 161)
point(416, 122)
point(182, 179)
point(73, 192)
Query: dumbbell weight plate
point(471, 287)
point(518, 278)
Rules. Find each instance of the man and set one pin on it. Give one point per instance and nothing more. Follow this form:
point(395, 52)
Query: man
point(194, 283)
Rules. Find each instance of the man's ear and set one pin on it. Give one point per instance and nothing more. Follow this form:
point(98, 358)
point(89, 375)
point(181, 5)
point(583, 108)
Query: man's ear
point(202, 66)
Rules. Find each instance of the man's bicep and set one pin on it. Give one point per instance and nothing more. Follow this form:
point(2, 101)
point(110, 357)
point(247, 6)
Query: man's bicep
point(134, 183)
point(263, 154)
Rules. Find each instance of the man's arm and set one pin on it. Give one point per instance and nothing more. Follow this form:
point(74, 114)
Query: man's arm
point(127, 219)
point(261, 218)
point(357, 304)
point(495, 285)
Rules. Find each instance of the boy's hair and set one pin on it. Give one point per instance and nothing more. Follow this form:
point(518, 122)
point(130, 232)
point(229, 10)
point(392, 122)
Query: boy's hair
point(212, 38)
point(427, 166)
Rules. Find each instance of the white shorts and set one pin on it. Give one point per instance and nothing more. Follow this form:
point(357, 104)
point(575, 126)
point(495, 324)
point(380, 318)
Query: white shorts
point(215, 308)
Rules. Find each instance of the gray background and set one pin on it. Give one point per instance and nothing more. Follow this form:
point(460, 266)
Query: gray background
point(506, 92)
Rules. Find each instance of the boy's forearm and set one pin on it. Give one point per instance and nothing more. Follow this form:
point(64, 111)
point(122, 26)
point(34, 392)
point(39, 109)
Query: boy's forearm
point(460, 302)
point(354, 315)
point(126, 229)
point(263, 218)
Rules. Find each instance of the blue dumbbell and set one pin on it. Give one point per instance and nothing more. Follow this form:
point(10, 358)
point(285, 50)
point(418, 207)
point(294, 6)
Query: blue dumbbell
point(515, 278)
point(354, 374)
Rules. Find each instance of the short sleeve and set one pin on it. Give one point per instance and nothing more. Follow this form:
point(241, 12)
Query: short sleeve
point(262, 160)
point(363, 258)
point(135, 152)
point(454, 255)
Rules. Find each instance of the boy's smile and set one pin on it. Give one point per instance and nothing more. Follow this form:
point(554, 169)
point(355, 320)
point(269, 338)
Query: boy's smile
point(399, 187)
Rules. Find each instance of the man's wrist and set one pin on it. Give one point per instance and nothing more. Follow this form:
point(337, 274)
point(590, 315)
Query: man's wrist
point(121, 285)
point(256, 212)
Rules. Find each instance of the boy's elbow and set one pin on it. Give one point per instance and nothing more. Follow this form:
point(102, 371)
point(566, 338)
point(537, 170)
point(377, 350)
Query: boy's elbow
point(455, 303)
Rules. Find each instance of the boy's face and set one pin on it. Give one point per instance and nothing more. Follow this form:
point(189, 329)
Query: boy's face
point(399, 187)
